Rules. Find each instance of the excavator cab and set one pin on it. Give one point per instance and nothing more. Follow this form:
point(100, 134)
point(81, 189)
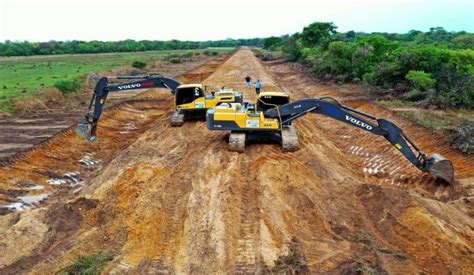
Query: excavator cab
point(188, 93)
point(269, 100)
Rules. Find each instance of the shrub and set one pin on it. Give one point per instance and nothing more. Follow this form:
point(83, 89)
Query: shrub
point(67, 86)
point(187, 55)
point(310, 53)
point(175, 60)
point(416, 95)
point(139, 64)
point(91, 264)
point(420, 80)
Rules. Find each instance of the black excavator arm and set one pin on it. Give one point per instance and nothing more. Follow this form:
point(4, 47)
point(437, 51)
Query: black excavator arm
point(435, 164)
point(88, 128)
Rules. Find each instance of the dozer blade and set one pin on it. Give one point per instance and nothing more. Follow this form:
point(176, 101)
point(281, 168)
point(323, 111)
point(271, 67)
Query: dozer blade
point(441, 167)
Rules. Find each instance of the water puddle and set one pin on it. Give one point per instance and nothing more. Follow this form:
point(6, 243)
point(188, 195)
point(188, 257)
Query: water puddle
point(16, 206)
point(25, 202)
point(33, 186)
point(89, 161)
point(70, 180)
point(33, 199)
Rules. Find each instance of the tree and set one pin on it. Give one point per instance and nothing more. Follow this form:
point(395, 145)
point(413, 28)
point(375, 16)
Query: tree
point(272, 43)
point(350, 35)
point(293, 47)
point(317, 33)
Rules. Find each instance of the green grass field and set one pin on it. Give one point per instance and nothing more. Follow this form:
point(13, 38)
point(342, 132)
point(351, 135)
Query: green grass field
point(20, 76)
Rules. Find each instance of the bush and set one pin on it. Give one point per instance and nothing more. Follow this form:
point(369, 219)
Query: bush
point(416, 95)
point(67, 86)
point(420, 80)
point(187, 55)
point(310, 53)
point(175, 60)
point(139, 64)
point(91, 264)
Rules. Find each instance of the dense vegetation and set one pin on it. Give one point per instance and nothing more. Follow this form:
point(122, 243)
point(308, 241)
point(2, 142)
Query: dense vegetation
point(26, 48)
point(429, 68)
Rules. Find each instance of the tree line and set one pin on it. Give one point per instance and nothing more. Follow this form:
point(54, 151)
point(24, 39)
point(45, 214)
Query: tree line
point(429, 68)
point(25, 48)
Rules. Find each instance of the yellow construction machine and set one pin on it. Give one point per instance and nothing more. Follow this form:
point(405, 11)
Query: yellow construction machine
point(271, 117)
point(191, 100)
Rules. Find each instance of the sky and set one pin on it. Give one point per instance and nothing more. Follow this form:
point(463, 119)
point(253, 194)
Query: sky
point(112, 20)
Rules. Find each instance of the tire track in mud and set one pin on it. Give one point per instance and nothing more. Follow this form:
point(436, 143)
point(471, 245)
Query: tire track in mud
point(176, 200)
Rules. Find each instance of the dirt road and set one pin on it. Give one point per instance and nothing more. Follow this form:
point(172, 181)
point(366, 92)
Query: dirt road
point(176, 200)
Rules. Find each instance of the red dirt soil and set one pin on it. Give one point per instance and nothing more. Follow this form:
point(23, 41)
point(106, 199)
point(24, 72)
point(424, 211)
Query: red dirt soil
point(170, 199)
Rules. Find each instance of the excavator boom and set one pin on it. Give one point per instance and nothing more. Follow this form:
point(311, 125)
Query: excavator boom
point(435, 164)
point(88, 127)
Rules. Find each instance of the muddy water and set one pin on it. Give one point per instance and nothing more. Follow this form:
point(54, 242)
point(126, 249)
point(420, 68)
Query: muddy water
point(176, 200)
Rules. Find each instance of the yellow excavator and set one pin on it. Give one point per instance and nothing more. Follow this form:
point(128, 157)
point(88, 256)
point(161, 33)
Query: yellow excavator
point(191, 100)
point(271, 117)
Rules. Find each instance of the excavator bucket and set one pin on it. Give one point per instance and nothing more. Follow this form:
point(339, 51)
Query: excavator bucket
point(441, 167)
point(83, 129)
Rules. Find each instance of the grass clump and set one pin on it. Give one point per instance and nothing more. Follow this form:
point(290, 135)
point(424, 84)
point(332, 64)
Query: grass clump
point(364, 270)
point(67, 86)
point(292, 263)
point(138, 64)
point(91, 264)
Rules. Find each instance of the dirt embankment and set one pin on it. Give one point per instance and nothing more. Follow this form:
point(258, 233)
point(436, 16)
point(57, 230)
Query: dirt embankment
point(177, 200)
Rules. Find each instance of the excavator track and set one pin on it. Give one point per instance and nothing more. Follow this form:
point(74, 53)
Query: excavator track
point(237, 142)
point(289, 139)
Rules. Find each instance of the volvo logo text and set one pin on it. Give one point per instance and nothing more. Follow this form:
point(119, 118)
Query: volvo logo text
point(130, 86)
point(358, 122)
